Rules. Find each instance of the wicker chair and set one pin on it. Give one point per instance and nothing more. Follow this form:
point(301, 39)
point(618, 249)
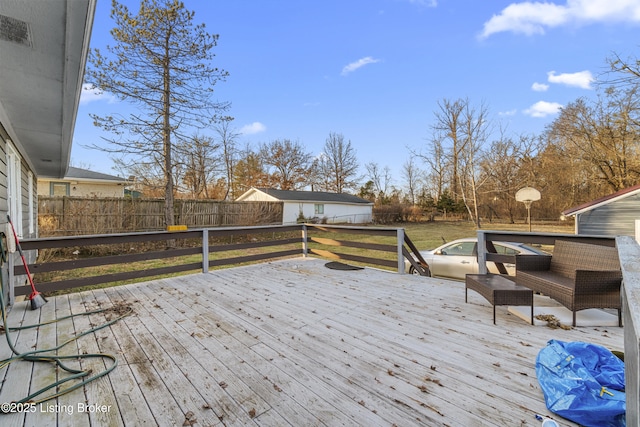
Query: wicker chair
point(578, 276)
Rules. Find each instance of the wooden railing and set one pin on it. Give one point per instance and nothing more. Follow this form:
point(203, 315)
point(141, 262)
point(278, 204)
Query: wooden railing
point(629, 253)
point(102, 259)
point(336, 248)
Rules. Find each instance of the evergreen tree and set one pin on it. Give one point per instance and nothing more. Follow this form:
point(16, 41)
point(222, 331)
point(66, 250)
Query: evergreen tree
point(161, 64)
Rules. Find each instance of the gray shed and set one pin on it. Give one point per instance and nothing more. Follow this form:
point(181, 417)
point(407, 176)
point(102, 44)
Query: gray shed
point(617, 214)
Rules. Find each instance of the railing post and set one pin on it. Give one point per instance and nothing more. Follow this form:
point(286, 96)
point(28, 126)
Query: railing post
point(305, 242)
point(205, 250)
point(400, 244)
point(482, 252)
point(629, 254)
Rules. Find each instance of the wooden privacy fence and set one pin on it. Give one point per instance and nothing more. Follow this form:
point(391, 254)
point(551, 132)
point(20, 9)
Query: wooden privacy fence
point(81, 216)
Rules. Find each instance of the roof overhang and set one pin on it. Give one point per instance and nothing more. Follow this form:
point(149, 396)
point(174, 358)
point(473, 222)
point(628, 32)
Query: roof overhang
point(44, 47)
point(602, 201)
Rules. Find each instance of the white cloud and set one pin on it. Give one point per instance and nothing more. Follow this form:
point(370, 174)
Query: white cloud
point(508, 113)
point(357, 64)
point(253, 128)
point(581, 79)
point(428, 3)
point(90, 94)
point(539, 87)
point(535, 17)
point(543, 109)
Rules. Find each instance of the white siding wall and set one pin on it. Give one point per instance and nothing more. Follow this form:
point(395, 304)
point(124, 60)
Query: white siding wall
point(26, 225)
point(83, 189)
point(333, 212)
point(616, 218)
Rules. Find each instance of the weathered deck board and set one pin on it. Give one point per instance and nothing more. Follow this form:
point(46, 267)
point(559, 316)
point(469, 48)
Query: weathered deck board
point(43, 377)
point(18, 374)
point(294, 343)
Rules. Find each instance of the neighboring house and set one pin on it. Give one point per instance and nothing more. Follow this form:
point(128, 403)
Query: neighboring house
point(82, 183)
point(314, 205)
point(617, 214)
point(44, 47)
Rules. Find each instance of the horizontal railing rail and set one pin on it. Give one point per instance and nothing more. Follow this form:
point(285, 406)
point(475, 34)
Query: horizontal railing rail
point(487, 252)
point(70, 262)
point(386, 254)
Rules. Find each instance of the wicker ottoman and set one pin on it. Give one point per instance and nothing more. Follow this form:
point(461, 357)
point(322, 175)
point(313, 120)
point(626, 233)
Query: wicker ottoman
point(498, 290)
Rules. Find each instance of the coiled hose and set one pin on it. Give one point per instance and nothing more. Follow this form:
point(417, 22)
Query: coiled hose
point(40, 355)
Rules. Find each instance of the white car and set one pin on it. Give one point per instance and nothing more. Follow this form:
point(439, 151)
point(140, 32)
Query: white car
point(460, 257)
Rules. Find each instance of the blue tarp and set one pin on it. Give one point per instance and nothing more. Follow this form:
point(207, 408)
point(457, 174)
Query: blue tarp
point(582, 382)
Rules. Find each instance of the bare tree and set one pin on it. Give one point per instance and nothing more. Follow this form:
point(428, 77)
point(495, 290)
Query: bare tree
point(228, 139)
point(606, 134)
point(412, 175)
point(339, 163)
point(249, 171)
point(622, 72)
point(458, 136)
point(474, 134)
point(438, 170)
point(161, 65)
point(505, 166)
point(320, 174)
point(449, 131)
point(381, 180)
point(289, 162)
point(201, 165)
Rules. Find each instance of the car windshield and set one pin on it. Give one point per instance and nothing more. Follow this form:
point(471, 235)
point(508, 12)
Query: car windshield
point(501, 249)
point(461, 248)
point(537, 251)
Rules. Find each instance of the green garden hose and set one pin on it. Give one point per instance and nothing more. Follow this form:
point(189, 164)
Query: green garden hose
point(39, 356)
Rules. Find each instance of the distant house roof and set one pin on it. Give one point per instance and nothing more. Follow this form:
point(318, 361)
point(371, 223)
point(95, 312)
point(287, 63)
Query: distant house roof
point(307, 196)
point(77, 174)
point(626, 192)
point(85, 174)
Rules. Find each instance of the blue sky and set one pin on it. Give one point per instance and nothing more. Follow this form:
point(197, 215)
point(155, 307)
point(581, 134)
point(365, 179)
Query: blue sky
point(374, 70)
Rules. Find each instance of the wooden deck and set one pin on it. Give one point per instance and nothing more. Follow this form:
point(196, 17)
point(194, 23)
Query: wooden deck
point(292, 343)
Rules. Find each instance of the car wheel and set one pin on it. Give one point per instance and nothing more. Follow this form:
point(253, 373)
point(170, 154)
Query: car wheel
point(412, 270)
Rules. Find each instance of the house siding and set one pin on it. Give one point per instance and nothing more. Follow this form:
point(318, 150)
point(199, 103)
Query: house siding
point(4, 207)
point(83, 189)
point(612, 219)
point(4, 204)
point(333, 212)
point(27, 220)
point(337, 208)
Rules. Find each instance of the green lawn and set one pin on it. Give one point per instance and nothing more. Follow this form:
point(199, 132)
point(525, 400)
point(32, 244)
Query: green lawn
point(430, 235)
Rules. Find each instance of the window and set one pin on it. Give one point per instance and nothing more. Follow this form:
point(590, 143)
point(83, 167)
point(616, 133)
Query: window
point(14, 187)
point(458, 249)
point(59, 189)
point(318, 209)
